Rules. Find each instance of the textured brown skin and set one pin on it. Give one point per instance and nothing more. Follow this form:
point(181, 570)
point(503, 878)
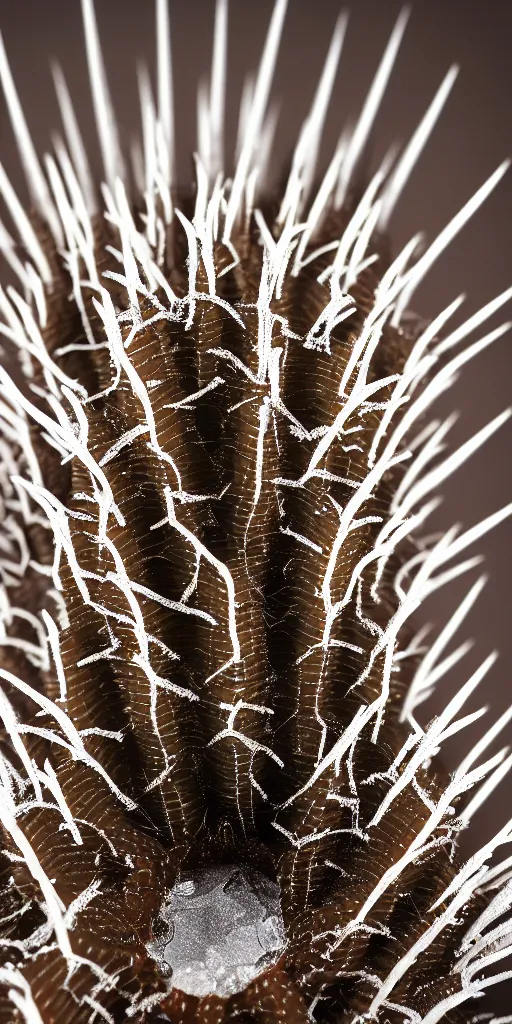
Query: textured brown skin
point(195, 815)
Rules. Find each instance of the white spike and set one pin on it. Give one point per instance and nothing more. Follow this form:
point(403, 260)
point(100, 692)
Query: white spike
point(21, 994)
point(418, 947)
point(74, 139)
point(453, 573)
point(484, 742)
point(433, 447)
point(449, 466)
point(371, 106)
point(444, 238)
point(318, 209)
point(446, 665)
point(426, 667)
point(473, 865)
point(25, 229)
point(477, 531)
point(218, 88)
point(54, 905)
point(456, 998)
point(431, 332)
point(434, 735)
point(36, 183)
point(321, 101)
point(413, 150)
point(165, 86)
point(12, 728)
point(437, 384)
point(8, 250)
point(104, 114)
point(485, 790)
point(256, 114)
point(473, 322)
point(150, 159)
point(306, 152)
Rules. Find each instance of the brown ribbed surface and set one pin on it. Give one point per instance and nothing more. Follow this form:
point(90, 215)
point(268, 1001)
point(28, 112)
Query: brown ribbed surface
point(209, 805)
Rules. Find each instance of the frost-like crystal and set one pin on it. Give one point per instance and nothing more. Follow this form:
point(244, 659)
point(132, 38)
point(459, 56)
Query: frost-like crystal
point(218, 930)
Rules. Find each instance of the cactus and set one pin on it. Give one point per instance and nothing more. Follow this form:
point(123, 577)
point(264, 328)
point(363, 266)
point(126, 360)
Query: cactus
point(217, 471)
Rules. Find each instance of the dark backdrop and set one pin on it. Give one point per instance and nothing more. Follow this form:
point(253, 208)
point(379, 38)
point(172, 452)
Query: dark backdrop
point(471, 139)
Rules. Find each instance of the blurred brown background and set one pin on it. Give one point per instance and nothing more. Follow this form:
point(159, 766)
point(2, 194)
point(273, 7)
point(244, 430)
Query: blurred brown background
point(473, 136)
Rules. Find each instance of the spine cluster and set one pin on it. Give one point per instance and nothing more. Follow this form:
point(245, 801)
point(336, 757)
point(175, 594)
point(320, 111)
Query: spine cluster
point(217, 471)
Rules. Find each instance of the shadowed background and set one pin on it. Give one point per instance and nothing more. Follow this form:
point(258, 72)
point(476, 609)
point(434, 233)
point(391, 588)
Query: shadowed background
point(472, 137)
